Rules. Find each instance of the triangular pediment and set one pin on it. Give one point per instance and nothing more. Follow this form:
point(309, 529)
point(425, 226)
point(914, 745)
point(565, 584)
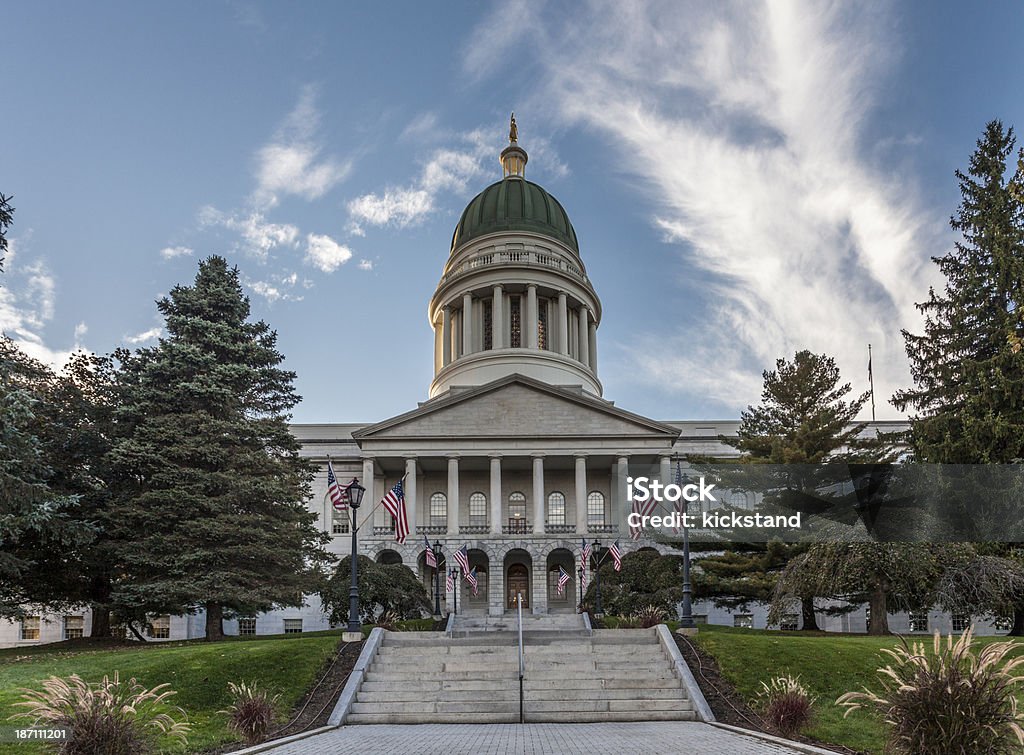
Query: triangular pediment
point(518, 407)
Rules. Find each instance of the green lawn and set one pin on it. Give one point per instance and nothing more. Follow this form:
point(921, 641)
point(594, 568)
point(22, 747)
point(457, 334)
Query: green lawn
point(197, 670)
point(828, 665)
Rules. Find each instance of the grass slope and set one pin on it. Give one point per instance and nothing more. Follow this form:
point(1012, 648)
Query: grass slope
point(198, 671)
point(828, 665)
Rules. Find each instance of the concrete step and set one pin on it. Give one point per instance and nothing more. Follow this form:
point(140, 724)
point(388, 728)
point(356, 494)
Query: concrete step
point(591, 717)
point(482, 687)
point(436, 718)
point(511, 693)
point(482, 707)
point(615, 706)
point(375, 674)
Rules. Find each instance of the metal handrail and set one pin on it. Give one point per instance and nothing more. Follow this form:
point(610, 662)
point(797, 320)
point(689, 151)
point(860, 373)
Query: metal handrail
point(522, 665)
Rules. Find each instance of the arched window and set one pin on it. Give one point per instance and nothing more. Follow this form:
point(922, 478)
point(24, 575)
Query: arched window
point(556, 508)
point(478, 510)
point(595, 508)
point(438, 510)
point(738, 499)
point(517, 512)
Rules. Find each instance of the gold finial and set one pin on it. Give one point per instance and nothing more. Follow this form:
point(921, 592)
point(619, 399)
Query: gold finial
point(513, 130)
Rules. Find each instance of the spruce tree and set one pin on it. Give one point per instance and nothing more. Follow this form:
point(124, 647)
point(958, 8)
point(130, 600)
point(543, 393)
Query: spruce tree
point(213, 514)
point(968, 365)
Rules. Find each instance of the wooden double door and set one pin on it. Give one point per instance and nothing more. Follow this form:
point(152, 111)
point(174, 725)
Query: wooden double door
point(517, 582)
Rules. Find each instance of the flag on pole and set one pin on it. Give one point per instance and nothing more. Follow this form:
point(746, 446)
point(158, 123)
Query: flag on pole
point(471, 578)
point(644, 508)
point(431, 558)
point(449, 583)
point(394, 502)
point(616, 555)
point(586, 555)
point(462, 558)
point(339, 496)
point(563, 578)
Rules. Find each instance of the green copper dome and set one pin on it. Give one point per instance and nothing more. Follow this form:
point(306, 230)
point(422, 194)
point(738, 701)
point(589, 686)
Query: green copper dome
point(514, 204)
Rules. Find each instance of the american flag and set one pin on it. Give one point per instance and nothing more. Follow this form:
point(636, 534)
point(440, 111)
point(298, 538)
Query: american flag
point(643, 508)
point(471, 578)
point(462, 558)
point(616, 555)
point(583, 580)
point(394, 502)
point(339, 497)
point(563, 578)
point(431, 558)
point(586, 554)
point(449, 583)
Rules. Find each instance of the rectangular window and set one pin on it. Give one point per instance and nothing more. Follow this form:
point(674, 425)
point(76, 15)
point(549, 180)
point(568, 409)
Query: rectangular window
point(743, 620)
point(246, 626)
point(542, 324)
point(515, 322)
point(30, 628)
point(477, 510)
point(74, 627)
point(159, 628)
point(556, 509)
point(293, 626)
point(790, 622)
point(961, 622)
point(595, 509)
point(438, 510)
point(488, 325)
point(700, 618)
point(339, 521)
point(918, 621)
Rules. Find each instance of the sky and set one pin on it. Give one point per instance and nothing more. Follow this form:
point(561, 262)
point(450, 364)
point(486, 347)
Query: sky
point(746, 179)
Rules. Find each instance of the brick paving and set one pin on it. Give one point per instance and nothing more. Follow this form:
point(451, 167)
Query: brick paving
point(533, 739)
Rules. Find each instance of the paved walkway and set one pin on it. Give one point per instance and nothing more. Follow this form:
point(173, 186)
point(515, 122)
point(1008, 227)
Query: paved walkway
point(534, 739)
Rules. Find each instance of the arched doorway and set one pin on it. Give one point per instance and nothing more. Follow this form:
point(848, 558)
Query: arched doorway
point(388, 556)
point(562, 559)
point(427, 575)
point(518, 565)
point(479, 562)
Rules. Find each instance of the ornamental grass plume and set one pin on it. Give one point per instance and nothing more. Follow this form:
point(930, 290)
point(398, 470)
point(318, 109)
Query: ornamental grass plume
point(111, 717)
point(252, 711)
point(788, 706)
point(949, 701)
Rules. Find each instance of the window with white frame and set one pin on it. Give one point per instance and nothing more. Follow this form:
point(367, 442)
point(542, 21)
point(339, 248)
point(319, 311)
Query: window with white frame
point(553, 595)
point(918, 621)
point(438, 510)
point(790, 622)
point(595, 508)
point(159, 627)
point(293, 626)
point(743, 620)
point(1002, 623)
point(478, 509)
point(30, 628)
point(961, 622)
point(556, 508)
point(340, 521)
point(74, 627)
point(246, 626)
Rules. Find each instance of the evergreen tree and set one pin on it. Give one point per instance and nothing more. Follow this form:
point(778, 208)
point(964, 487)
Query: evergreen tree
point(968, 366)
point(804, 418)
point(213, 513)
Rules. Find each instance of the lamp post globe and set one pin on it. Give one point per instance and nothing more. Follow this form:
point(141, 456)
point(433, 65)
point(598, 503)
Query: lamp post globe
point(354, 632)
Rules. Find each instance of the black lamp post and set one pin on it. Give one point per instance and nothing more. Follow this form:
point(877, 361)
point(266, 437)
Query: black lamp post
point(437, 578)
point(455, 591)
point(355, 497)
point(579, 586)
point(686, 620)
point(598, 610)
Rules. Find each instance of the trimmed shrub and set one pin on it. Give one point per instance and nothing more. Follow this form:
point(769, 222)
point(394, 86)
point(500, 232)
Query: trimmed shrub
point(787, 704)
point(252, 711)
point(950, 700)
point(112, 717)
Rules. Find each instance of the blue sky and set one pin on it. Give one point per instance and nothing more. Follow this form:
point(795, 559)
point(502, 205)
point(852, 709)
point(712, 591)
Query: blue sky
point(745, 179)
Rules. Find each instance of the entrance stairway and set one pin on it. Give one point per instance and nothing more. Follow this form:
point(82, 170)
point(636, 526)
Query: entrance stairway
point(473, 677)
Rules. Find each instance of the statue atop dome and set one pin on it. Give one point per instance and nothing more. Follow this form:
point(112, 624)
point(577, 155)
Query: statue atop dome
point(513, 130)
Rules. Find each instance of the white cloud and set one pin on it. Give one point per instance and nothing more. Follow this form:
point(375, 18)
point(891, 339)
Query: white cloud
point(80, 330)
point(399, 207)
point(365, 264)
point(170, 252)
point(28, 300)
point(145, 336)
point(745, 126)
point(326, 253)
point(259, 236)
point(292, 162)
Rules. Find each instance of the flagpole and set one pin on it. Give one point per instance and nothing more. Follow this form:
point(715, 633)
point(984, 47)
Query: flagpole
point(871, 382)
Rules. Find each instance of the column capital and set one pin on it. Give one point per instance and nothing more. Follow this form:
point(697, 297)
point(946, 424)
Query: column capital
point(581, 457)
point(498, 287)
point(538, 455)
point(531, 285)
point(452, 457)
point(494, 457)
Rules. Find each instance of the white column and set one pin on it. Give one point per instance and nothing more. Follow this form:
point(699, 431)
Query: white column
point(369, 499)
point(584, 336)
point(538, 494)
point(453, 495)
point(498, 319)
point(665, 470)
point(617, 511)
point(446, 337)
point(467, 324)
point(496, 495)
point(530, 326)
point(581, 495)
point(592, 342)
point(410, 494)
point(563, 324)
